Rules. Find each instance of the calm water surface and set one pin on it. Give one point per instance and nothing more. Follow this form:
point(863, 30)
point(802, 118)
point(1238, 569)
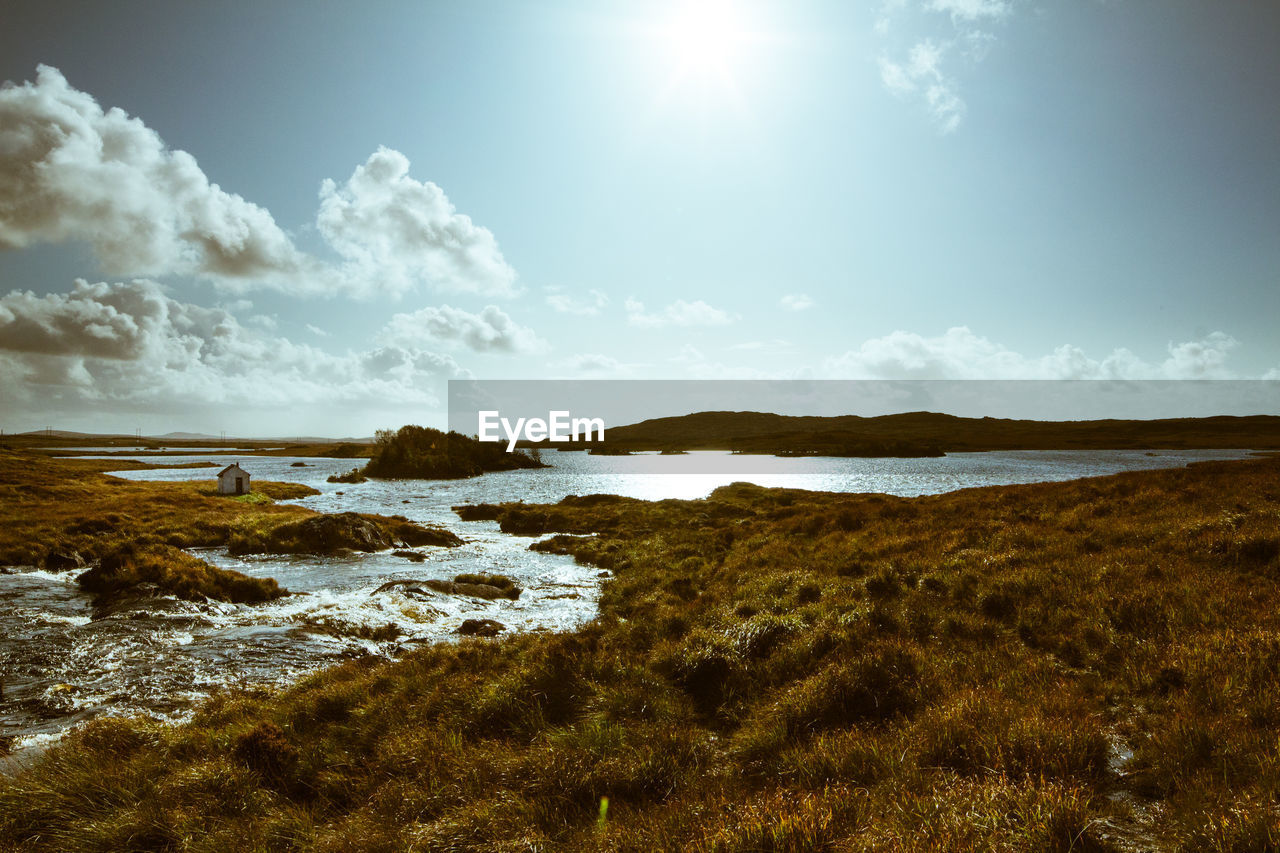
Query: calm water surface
point(61, 665)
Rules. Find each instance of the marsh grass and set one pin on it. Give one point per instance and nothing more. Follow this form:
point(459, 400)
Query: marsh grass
point(49, 505)
point(333, 533)
point(771, 670)
point(128, 568)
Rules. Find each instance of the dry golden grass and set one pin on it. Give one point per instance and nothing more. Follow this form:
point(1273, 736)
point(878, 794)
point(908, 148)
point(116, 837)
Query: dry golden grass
point(772, 671)
point(51, 504)
point(163, 569)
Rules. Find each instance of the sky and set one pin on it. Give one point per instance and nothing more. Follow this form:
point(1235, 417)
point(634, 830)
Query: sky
point(305, 218)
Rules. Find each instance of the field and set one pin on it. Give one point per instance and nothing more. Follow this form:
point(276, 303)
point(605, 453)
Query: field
point(65, 513)
point(1085, 666)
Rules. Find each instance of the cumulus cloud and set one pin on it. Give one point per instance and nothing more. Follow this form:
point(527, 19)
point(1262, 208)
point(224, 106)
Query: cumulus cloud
point(390, 225)
point(678, 313)
point(72, 171)
point(566, 304)
point(129, 346)
point(961, 354)
point(796, 301)
point(96, 320)
point(489, 331)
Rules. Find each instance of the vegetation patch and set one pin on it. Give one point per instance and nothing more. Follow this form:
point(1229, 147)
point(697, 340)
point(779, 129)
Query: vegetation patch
point(335, 627)
point(1059, 666)
point(423, 453)
point(164, 570)
point(477, 585)
point(334, 534)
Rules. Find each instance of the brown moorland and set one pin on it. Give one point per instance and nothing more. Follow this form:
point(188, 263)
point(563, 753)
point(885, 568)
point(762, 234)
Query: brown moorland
point(65, 512)
point(1084, 666)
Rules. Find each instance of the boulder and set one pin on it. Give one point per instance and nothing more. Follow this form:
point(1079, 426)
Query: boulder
point(329, 533)
point(61, 559)
point(481, 628)
point(475, 590)
point(412, 556)
point(486, 591)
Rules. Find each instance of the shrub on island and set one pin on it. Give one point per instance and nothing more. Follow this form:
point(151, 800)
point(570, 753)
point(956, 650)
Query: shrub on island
point(131, 569)
point(415, 452)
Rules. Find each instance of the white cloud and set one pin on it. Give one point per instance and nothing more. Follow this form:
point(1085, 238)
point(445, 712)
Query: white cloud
point(884, 17)
point(776, 345)
point(70, 171)
point(402, 230)
point(489, 331)
point(796, 301)
point(130, 347)
point(960, 354)
point(566, 304)
point(96, 320)
point(919, 70)
point(1202, 359)
point(594, 362)
point(317, 331)
point(971, 10)
point(697, 365)
point(921, 74)
point(678, 313)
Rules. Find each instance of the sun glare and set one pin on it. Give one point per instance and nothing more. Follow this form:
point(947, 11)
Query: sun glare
point(705, 39)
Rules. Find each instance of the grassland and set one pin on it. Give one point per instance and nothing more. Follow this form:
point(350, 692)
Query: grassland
point(65, 512)
point(127, 569)
point(1084, 666)
point(52, 505)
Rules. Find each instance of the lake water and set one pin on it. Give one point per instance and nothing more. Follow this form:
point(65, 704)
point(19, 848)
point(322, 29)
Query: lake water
point(60, 665)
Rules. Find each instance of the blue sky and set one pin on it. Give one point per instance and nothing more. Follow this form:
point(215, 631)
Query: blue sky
point(376, 198)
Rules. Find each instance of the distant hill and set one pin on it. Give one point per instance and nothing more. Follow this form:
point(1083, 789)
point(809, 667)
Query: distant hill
point(65, 436)
point(931, 433)
point(69, 434)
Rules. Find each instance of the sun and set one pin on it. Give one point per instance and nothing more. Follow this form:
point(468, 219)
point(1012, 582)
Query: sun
point(705, 40)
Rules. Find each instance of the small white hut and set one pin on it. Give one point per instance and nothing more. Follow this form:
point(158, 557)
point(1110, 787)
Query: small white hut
point(233, 480)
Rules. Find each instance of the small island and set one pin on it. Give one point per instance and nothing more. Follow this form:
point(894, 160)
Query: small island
point(130, 569)
point(415, 452)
